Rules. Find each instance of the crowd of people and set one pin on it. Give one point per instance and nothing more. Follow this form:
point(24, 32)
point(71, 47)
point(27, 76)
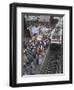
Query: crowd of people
point(36, 46)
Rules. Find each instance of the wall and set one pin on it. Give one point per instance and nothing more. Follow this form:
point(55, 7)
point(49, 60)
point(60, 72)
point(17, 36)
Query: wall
point(4, 43)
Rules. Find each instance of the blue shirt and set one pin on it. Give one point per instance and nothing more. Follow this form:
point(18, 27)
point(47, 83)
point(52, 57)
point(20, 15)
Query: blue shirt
point(35, 30)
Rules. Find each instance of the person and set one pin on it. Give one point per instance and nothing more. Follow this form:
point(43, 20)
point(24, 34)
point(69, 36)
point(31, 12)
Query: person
point(35, 29)
point(37, 59)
